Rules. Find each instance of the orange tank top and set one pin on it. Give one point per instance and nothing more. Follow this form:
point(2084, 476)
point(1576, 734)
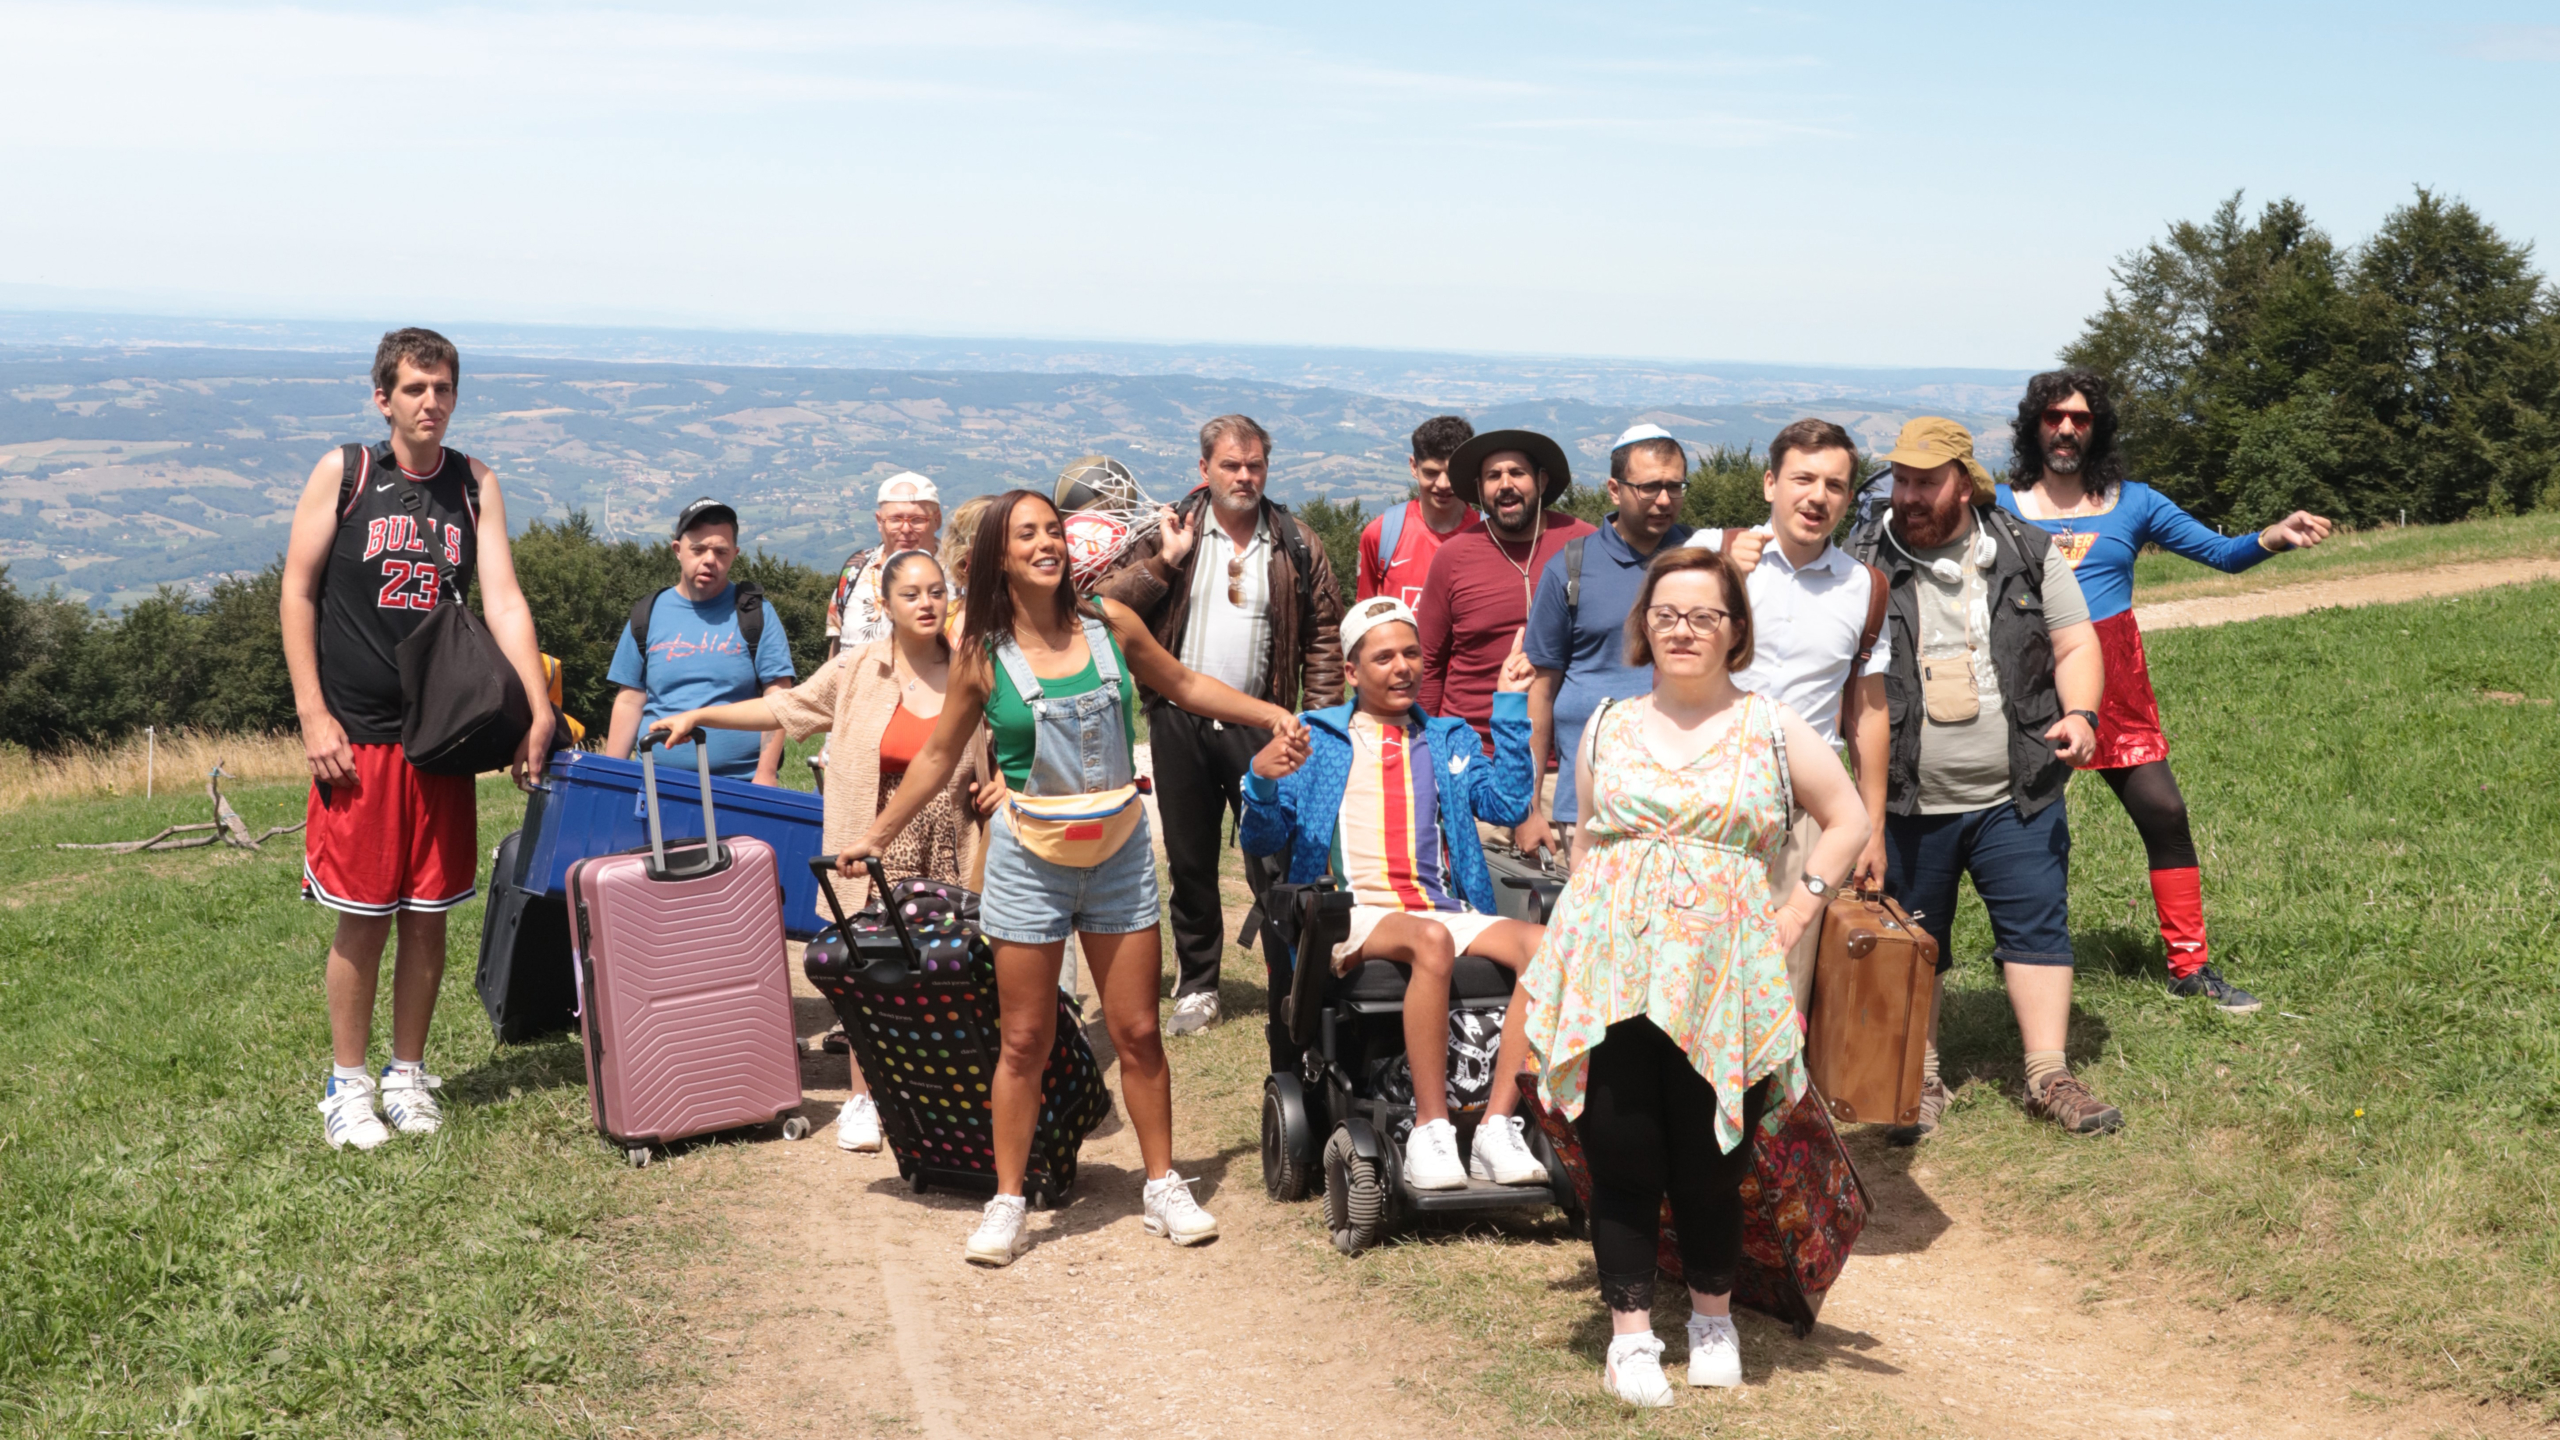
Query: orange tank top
point(903, 741)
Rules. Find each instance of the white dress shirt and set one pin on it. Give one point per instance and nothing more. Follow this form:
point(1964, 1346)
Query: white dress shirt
point(1221, 640)
point(1806, 625)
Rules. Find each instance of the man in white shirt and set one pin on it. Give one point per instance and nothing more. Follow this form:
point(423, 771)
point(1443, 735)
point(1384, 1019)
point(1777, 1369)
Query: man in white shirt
point(1817, 612)
point(909, 516)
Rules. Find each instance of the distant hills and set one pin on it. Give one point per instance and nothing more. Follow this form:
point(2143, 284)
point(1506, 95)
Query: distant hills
point(136, 451)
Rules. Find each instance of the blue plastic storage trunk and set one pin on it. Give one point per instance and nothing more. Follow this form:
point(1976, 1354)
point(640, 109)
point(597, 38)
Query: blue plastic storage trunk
point(592, 805)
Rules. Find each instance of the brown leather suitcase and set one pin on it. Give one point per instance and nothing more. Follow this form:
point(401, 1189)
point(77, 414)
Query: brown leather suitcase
point(1874, 977)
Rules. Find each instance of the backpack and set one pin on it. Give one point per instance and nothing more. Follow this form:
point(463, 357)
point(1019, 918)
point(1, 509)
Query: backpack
point(1390, 530)
point(750, 622)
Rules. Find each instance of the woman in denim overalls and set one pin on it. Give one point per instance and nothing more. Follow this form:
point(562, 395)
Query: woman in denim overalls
point(1051, 678)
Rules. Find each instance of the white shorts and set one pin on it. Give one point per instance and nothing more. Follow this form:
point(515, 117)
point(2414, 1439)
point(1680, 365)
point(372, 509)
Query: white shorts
point(1464, 927)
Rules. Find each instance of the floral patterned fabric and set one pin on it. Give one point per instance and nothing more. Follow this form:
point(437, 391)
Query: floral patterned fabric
point(1670, 917)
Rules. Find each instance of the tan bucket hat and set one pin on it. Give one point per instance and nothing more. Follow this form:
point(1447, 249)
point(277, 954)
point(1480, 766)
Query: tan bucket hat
point(1929, 441)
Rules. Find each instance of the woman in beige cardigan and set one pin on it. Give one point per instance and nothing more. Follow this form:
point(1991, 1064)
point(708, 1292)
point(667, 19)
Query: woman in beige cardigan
point(882, 701)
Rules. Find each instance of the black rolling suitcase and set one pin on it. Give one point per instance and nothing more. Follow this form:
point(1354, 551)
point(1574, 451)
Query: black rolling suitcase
point(528, 981)
point(914, 983)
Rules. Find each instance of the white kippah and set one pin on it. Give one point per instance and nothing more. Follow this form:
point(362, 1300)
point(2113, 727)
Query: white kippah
point(1368, 615)
point(910, 486)
point(1638, 434)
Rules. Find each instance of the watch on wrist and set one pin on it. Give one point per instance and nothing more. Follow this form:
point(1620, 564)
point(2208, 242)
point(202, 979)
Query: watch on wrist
point(1820, 887)
point(2090, 715)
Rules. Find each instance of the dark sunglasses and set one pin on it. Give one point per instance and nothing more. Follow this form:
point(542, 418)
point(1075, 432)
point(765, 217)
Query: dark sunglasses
point(2059, 418)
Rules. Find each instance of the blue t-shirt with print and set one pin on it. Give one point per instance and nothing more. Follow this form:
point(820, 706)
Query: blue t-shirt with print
point(698, 658)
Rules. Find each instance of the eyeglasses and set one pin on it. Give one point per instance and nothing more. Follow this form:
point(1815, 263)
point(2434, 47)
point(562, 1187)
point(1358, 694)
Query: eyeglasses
point(1663, 619)
point(2059, 418)
point(1655, 491)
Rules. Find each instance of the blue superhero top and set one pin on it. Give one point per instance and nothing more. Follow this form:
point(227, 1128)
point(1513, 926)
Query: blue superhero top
point(2101, 547)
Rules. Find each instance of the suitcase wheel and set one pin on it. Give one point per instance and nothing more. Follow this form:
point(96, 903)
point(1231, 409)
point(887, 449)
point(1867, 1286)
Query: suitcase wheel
point(638, 1155)
point(916, 1182)
point(796, 1128)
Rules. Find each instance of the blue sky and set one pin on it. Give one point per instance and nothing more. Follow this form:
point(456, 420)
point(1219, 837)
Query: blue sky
point(1888, 184)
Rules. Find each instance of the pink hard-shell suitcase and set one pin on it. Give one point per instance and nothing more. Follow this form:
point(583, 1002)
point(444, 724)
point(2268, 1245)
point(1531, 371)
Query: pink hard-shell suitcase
point(684, 984)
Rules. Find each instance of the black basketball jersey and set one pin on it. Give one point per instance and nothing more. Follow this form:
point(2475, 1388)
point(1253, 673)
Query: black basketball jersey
point(402, 541)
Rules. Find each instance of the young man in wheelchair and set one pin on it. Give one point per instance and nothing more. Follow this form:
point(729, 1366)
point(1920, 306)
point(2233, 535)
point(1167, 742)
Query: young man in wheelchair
point(1386, 801)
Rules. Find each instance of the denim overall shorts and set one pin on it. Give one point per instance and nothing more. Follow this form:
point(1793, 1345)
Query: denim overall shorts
point(1080, 747)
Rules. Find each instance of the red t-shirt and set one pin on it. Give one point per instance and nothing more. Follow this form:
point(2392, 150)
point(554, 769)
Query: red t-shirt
point(1416, 546)
point(1473, 604)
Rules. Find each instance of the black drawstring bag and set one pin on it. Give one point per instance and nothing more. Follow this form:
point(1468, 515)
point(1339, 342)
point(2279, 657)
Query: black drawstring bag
point(462, 709)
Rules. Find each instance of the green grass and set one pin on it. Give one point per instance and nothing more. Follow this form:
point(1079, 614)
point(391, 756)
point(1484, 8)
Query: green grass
point(2362, 552)
point(2381, 852)
point(180, 1252)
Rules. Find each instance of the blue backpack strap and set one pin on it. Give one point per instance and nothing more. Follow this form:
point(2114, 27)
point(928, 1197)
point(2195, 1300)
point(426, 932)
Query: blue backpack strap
point(1390, 530)
point(1016, 668)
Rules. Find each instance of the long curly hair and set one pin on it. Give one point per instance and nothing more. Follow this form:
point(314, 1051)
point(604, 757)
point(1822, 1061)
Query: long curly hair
point(2100, 466)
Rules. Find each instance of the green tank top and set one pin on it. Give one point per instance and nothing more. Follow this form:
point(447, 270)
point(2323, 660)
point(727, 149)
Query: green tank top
point(1009, 715)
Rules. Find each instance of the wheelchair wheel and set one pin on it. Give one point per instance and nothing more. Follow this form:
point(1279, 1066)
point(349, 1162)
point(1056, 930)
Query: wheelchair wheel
point(1355, 1195)
point(1288, 1143)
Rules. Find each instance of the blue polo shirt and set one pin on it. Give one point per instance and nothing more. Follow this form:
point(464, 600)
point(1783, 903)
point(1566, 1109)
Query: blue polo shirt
point(1591, 647)
point(697, 657)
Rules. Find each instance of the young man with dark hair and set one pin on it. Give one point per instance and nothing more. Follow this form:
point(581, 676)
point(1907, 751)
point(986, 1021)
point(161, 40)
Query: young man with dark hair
point(1578, 623)
point(1238, 589)
point(372, 552)
point(702, 642)
point(1475, 605)
point(1397, 548)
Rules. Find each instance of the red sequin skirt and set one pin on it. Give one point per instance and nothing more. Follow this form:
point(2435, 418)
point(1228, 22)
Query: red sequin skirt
point(2128, 714)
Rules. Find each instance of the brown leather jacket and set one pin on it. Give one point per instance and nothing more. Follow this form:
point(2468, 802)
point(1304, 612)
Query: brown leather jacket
point(1304, 669)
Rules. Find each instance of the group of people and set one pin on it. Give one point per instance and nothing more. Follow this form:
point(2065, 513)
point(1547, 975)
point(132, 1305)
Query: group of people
point(1738, 723)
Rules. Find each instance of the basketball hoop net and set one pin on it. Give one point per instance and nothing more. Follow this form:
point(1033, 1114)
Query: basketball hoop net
point(1104, 512)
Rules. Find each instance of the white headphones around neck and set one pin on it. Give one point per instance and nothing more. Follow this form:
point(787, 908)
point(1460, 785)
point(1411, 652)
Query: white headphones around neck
point(1947, 571)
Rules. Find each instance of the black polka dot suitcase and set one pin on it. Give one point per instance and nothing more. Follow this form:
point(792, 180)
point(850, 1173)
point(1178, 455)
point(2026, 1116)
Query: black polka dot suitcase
point(914, 982)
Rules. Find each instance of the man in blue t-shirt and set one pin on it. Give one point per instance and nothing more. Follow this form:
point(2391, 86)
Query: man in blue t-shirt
point(697, 654)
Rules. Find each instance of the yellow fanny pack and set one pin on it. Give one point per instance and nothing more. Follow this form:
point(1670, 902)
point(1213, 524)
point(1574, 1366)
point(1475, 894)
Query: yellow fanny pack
point(1080, 831)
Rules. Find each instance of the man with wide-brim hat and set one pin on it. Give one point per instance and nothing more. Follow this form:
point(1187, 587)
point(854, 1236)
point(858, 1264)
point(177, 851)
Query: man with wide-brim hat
point(1477, 597)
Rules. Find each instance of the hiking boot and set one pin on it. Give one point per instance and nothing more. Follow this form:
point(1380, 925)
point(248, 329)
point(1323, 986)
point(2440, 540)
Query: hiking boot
point(1502, 1157)
point(409, 1102)
point(999, 1238)
point(1715, 1351)
point(1172, 1213)
point(346, 1115)
point(2208, 982)
point(2067, 1102)
point(1193, 1014)
point(1431, 1157)
point(858, 1125)
point(1933, 1103)
point(1634, 1371)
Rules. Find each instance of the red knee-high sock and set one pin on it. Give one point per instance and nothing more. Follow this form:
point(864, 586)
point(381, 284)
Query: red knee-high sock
point(2178, 896)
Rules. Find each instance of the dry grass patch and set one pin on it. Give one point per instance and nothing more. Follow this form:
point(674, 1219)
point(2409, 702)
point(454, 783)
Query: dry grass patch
point(181, 761)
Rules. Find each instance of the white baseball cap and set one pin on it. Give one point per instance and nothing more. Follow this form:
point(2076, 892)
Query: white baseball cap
point(1368, 615)
point(1638, 434)
point(908, 485)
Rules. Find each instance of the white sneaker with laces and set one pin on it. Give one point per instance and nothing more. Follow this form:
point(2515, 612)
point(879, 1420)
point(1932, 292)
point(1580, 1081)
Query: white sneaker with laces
point(1431, 1158)
point(1501, 1156)
point(346, 1115)
point(998, 1240)
point(1193, 1014)
point(1715, 1351)
point(858, 1125)
point(1172, 1213)
point(1634, 1372)
point(409, 1102)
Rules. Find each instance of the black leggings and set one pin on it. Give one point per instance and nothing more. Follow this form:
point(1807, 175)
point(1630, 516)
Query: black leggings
point(1648, 1128)
point(2150, 795)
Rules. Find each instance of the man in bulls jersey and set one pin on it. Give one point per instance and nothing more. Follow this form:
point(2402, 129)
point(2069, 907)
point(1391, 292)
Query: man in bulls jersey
point(1387, 799)
point(1397, 548)
point(382, 535)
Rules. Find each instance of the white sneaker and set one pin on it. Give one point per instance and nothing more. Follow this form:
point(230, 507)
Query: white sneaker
point(409, 1102)
point(1193, 1014)
point(347, 1118)
point(858, 1125)
point(999, 1238)
point(1172, 1213)
point(1501, 1156)
point(1715, 1351)
point(1634, 1372)
point(1431, 1158)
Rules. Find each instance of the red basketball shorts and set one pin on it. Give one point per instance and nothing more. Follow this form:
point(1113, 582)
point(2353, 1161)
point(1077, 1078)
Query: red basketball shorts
point(397, 839)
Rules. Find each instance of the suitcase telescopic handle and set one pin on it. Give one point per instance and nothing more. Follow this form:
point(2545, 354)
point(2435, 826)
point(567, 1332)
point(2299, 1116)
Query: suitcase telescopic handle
point(889, 907)
point(825, 870)
point(713, 857)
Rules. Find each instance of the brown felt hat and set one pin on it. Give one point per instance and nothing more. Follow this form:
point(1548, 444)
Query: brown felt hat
point(1545, 456)
point(1930, 441)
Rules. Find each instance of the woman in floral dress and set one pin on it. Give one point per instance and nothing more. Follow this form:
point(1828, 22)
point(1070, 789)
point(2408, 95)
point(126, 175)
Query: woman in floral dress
point(1659, 1007)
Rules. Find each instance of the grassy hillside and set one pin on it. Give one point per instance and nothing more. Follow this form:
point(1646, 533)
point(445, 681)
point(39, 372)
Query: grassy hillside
point(2162, 576)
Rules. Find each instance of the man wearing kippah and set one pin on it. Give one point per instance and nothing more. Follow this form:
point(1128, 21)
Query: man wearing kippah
point(909, 514)
point(1390, 797)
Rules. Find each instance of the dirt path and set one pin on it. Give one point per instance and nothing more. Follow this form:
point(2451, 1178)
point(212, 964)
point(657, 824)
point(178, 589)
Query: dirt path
point(2386, 588)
